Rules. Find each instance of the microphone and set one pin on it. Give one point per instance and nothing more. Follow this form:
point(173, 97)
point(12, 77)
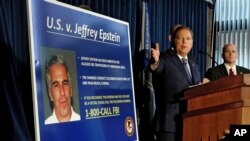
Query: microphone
point(203, 52)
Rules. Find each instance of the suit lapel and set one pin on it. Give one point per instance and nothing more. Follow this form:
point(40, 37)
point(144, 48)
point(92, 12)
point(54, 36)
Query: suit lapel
point(194, 72)
point(176, 60)
point(239, 70)
point(223, 69)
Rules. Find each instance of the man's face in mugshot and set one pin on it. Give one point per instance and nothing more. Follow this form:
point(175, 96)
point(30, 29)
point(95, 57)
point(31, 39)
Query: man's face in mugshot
point(60, 91)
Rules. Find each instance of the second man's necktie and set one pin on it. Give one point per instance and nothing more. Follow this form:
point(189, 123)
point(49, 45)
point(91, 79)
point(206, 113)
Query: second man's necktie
point(231, 73)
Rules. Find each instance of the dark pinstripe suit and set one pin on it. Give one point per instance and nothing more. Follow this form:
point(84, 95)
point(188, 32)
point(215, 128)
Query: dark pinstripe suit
point(169, 81)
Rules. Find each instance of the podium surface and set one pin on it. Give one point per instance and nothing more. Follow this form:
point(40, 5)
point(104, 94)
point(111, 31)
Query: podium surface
point(214, 106)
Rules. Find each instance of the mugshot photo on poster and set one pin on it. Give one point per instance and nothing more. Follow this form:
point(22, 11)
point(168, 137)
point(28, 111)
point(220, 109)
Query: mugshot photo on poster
point(60, 90)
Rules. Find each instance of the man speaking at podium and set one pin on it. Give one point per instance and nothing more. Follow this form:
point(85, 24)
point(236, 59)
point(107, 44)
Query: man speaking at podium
point(173, 72)
point(228, 68)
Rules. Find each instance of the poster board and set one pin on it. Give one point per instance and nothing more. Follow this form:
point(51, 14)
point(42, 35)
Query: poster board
point(99, 82)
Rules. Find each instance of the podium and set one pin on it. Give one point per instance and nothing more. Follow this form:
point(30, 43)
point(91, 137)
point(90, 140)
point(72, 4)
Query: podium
point(214, 106)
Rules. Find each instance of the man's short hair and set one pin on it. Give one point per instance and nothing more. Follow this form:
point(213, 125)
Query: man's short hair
point(55, 59)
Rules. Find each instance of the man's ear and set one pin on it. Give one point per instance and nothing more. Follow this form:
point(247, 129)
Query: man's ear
point(169, 38)
point(71, 95)
point(222, 55)
point(50, 96)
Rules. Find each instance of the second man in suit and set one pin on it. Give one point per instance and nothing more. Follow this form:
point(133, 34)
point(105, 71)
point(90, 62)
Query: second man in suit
point(229, 67)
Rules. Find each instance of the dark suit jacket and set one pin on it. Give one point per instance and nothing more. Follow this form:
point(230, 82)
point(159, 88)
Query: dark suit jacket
point(221, 71)
point(169, 81)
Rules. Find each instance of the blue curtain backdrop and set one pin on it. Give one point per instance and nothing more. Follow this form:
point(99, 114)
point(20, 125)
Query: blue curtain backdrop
point(15, 85)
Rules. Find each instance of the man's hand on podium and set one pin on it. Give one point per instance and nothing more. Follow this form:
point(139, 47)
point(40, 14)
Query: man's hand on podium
point(225, 136)
point(205, 80)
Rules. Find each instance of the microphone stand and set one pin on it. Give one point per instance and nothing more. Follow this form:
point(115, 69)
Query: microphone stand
point(213, 61)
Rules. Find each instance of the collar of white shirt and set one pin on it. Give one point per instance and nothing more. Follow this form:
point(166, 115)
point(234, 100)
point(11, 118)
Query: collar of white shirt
point(229, 67)
point(182, 57)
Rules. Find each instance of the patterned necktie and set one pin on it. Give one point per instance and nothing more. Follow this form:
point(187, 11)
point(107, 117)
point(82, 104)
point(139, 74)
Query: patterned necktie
point(185, 63)
point(231, 73)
